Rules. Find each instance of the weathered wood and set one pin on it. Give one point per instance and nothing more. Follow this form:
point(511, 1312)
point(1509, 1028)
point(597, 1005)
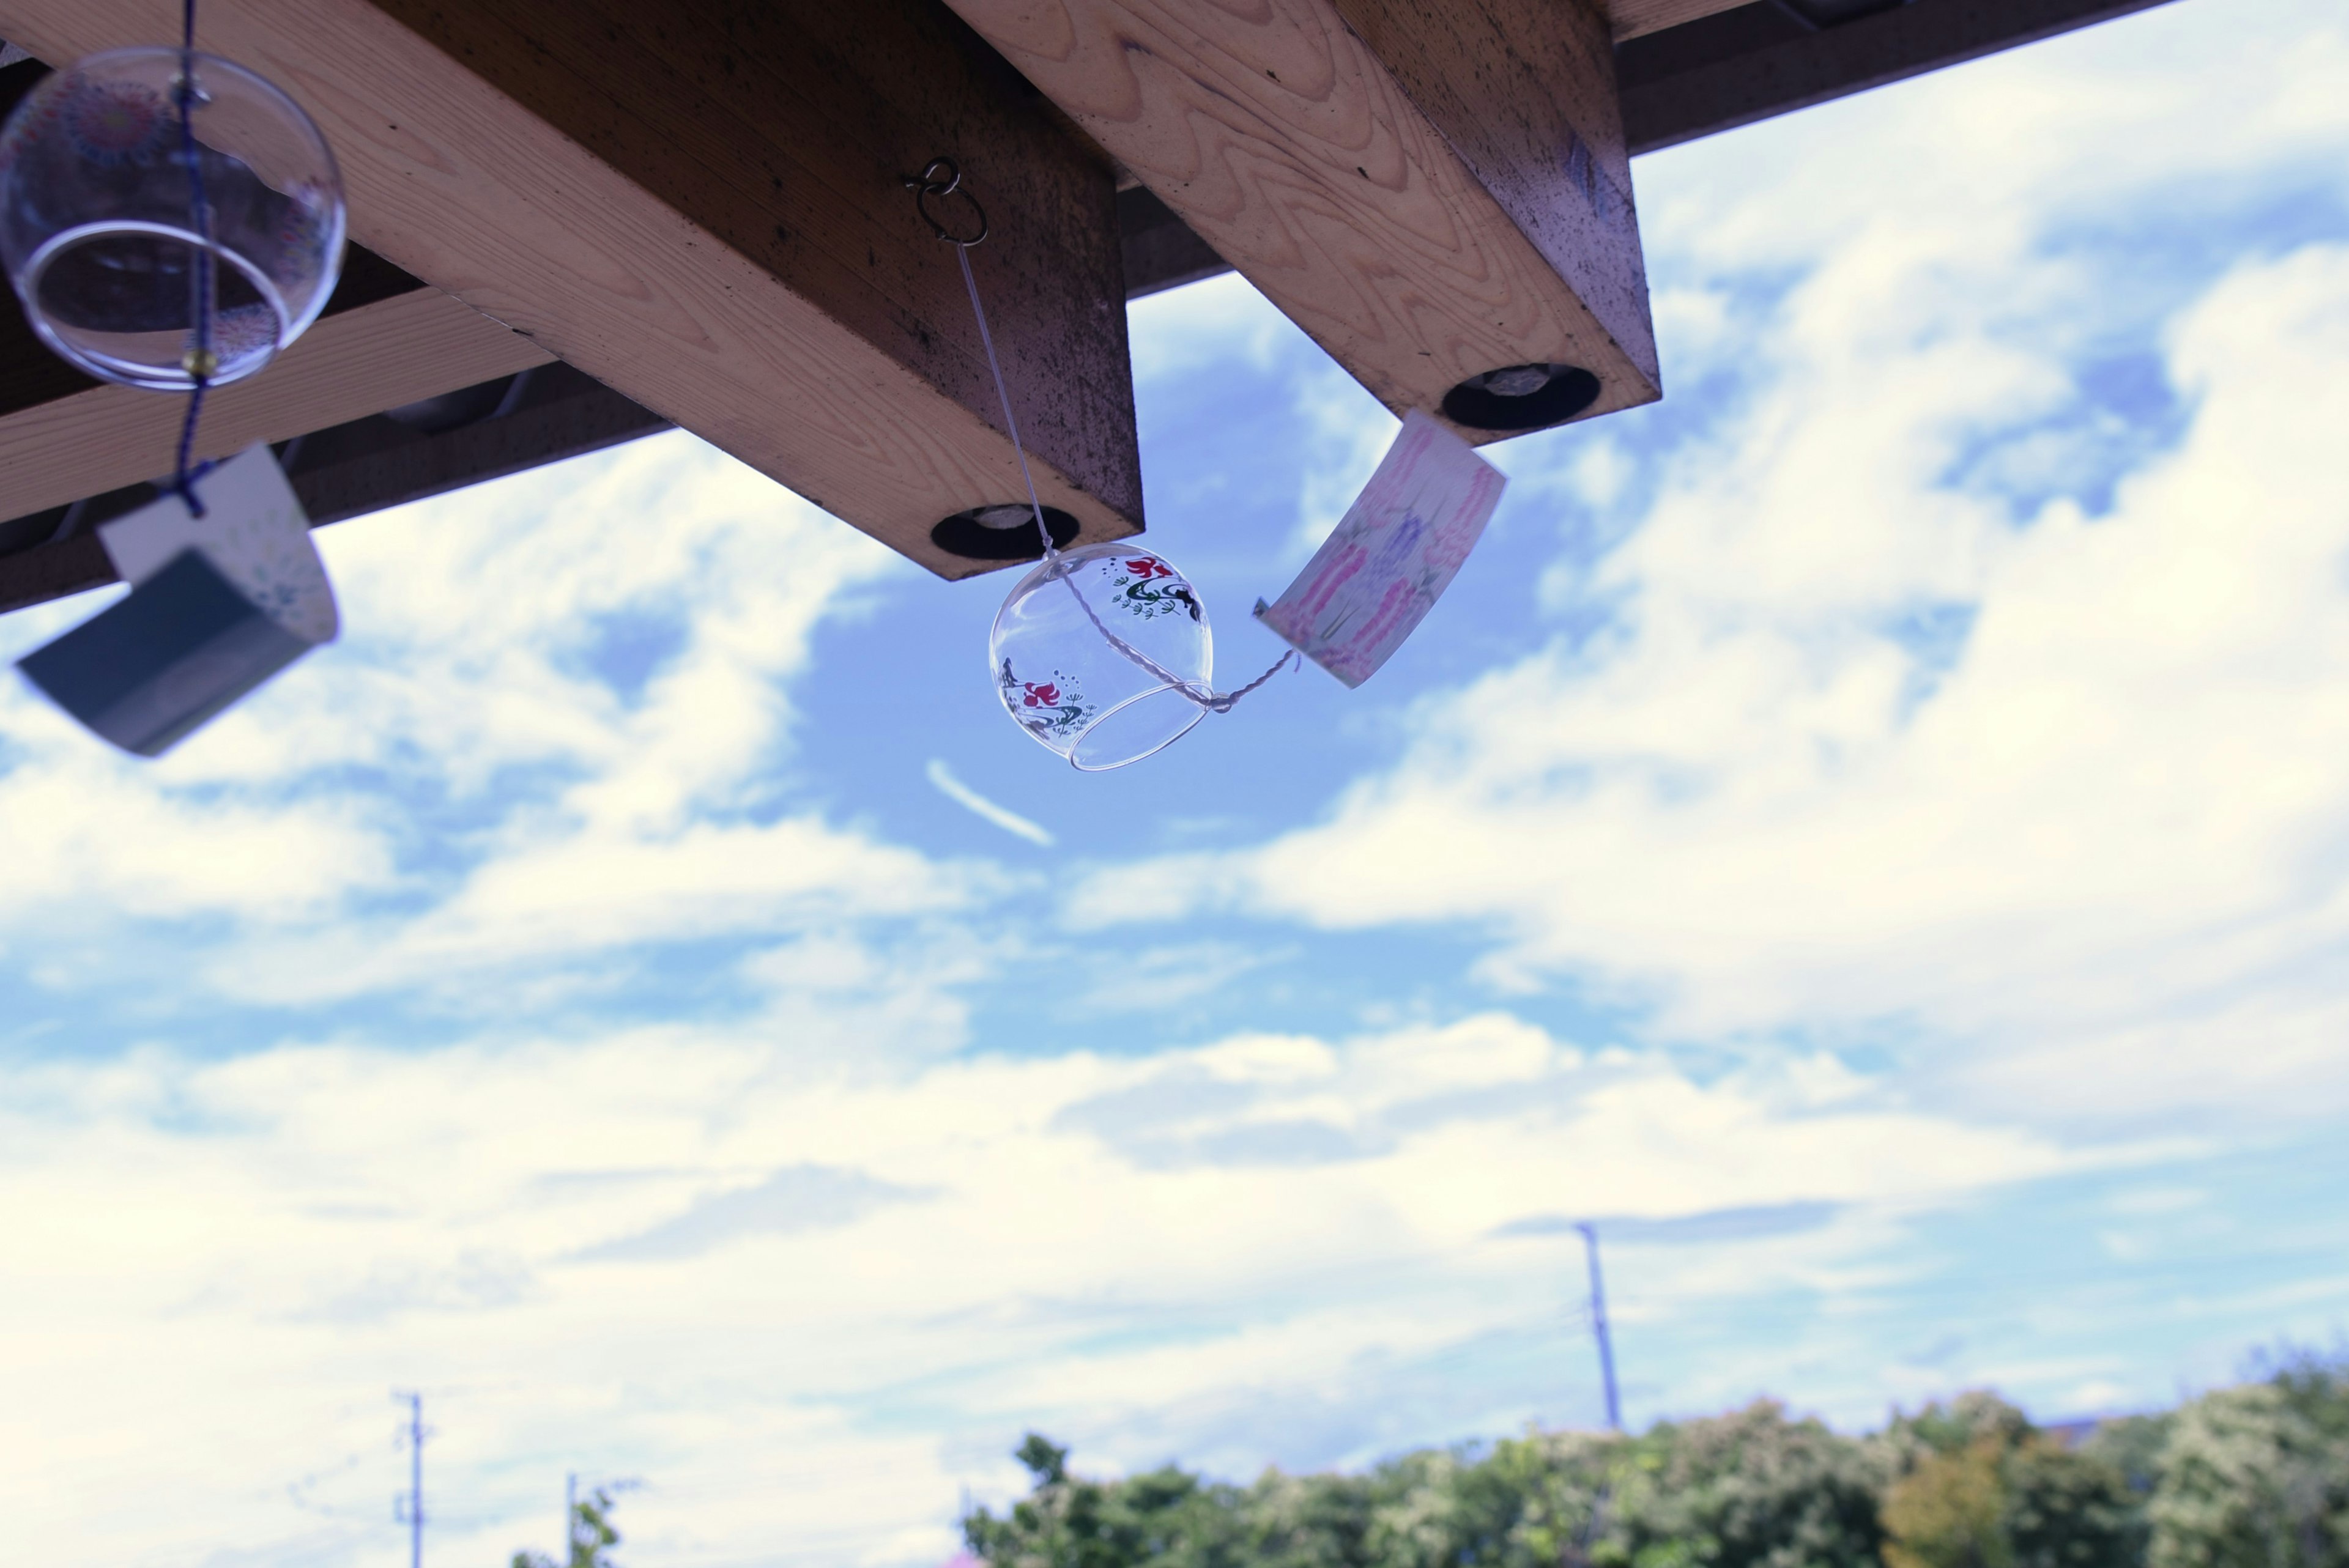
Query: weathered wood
point(697, 202)
point(1634, 18)
point(1747, 64)
point(538, 415)
point(1161, 249)
point(555, 412)
point(1431, 190)
point(356, 362)
point(1524, 93)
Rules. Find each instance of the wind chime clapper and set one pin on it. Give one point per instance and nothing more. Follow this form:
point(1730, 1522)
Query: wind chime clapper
point(171, 220)
point(1102, 653)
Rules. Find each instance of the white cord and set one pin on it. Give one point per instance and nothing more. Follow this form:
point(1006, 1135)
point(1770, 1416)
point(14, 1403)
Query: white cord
point(1206, 697)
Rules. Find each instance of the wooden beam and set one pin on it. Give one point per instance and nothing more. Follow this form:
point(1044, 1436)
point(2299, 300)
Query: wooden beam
point(1727, 68)
point(1160, 250)
point(1754, 62)
point(411, 346)
point(537, 416)
point(1637, 18)
point(1433, 189)
point(697, 202)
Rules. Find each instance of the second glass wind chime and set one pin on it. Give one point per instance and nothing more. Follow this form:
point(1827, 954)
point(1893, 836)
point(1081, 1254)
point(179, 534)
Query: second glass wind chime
point(172, 220)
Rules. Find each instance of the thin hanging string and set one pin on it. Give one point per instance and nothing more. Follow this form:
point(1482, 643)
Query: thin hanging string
point(199, 362)
point(929, 183)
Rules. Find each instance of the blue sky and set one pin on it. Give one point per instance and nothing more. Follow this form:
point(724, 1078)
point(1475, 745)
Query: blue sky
point(1873, 829)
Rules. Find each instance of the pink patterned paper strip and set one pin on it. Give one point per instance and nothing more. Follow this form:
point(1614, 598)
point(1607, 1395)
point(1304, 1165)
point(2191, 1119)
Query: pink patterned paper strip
point(1393, 554)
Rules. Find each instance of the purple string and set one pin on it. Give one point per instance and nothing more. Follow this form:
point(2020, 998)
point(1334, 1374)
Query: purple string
point(184, 478)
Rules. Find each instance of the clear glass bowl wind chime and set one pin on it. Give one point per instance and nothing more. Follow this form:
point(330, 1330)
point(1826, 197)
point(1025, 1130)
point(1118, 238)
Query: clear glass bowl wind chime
point(1103, 654)
point(1069, 687)
point(169, 220)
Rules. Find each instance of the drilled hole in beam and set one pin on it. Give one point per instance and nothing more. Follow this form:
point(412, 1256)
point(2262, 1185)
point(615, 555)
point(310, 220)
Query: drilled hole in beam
point(1004, 532)
point(1521, 397)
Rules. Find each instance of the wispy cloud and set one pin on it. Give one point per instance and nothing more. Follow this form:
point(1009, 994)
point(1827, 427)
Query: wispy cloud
point(942, 779)
point(1745, 1222)
point(795, 1199)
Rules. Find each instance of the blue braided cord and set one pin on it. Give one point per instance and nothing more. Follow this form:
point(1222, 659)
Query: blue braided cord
point(183, 477)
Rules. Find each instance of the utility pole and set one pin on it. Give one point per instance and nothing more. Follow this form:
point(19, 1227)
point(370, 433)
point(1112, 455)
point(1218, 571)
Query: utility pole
point(407, 1508)
point(1598, 1327)
point(570, 1519)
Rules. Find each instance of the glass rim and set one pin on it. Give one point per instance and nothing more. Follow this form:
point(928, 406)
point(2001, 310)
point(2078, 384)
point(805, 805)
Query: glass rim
point(1197, 712)
point(27, 282)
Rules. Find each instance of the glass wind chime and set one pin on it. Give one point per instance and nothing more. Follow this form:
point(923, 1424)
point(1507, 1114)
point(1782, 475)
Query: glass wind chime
point(1104, 653)
point(171, 221)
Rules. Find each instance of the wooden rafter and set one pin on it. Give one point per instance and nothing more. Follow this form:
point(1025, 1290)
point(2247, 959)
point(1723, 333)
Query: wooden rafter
point(1700, 74)
point(412, 345)
point(699, 204)
point(1637, 18)
point(1431, 190)
point(500, 427)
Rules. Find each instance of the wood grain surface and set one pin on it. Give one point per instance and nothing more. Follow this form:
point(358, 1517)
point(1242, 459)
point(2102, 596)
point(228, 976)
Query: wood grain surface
point(358, 362)
point(1631, 19)
point(1431, 190)
point(696, 202)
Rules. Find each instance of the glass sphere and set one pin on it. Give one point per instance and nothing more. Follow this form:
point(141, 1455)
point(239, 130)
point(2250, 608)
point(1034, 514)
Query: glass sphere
point(98, 228)
point(1075, 692)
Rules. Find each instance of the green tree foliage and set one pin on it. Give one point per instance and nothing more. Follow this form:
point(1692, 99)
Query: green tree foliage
point(1946, 1512)
point(2252, 1477)
point(1973, 1485)
point(1749, 1490)
point(592, 1536)
point(2258, 1476)
point(2067, 1509)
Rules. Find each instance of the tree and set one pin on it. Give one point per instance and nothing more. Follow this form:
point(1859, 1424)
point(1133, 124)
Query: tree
point(2251, 1477)
point(1747, 1489)
point(1163, 1517)
point(2258, 1476)
point(1949, 1511)
point(592, 1536)
point(2069, 1510)
point(1974, 1485)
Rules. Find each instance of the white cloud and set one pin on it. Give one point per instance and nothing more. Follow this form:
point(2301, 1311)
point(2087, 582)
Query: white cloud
point(2097, 861)
point(585, 669)
point(1207, 327)
point(701, 1259)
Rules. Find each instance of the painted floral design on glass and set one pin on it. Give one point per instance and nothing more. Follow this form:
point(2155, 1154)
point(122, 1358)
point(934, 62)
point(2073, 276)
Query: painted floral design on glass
point(115, 123)
point(1051, 708)
point(1149, 588)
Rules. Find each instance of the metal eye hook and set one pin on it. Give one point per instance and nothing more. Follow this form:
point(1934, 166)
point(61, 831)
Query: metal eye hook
point(942, 177)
